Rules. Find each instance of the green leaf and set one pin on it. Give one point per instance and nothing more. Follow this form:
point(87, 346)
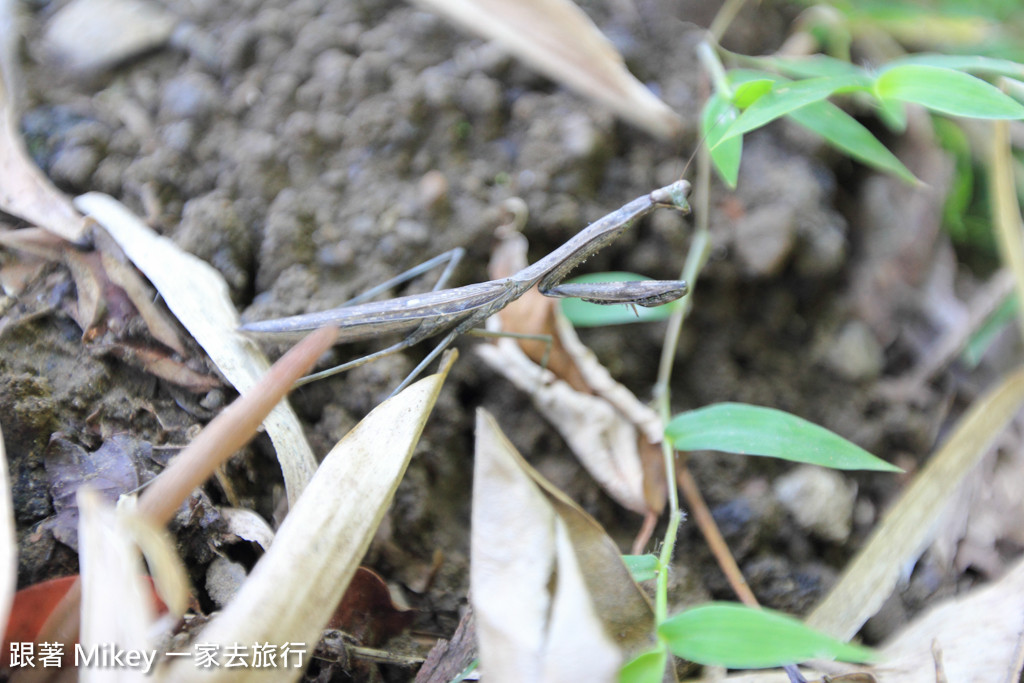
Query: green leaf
point(755, 430)
point(717, 117)
point(972, 64)
point(738, 637)
point(813, 66)
point(893, 114)
point(585, 314)
point(946, 91)
point(648, 667)
point(750, 91)
point(844, 132)
point(788, 96)
point(641, 567)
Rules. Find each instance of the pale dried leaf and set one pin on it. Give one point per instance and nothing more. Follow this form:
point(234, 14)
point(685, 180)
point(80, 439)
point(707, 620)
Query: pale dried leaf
point(977, 636)
point(558, 39)
point(248, 526)
point(24, 190)
point(165, 566)
point(578, 649)
point(909, 526)
point(293, 590)
point(512, 561)
point(116, 606)
point(8, 545)
point(522, 528)
point(602, 421)
point(197, 294)
point(602, 440)
point(89, 35)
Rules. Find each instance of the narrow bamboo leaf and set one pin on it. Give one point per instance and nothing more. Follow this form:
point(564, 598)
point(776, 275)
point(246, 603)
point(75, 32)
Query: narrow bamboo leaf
point(789, 96)
point(717, 117)
point(972, 64)
point(585, 314)
point(738, 637)
point(750, 91)
point(813, 66)
point(755, 430)
point(648, 667)
point(641, 567)
point(946, 91)
point(893, 114)
point(844, 132)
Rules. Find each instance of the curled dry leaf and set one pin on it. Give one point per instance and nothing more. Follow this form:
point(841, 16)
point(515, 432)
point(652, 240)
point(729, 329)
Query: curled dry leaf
point(293, 590)
point(558, 39)
point(609, 430)
point(549, 588)
point(248, 525)
point(197, 294)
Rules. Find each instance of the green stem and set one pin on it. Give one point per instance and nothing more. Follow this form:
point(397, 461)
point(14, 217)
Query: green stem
point(713, 65)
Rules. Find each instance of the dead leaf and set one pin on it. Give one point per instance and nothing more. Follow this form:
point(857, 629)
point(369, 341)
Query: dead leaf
point(558, 39)
point(609, 430)
point(24, 190)
point(109, 471)
point(911, 524)
point(367, 613)
point(249, 526)
point(292, 591)
point(552, 597)
point(157, 362)
point(112, 574)
point(198, 296)
point(125, 276)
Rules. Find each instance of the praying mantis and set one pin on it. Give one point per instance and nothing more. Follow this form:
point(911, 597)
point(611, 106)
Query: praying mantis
point(458, 310)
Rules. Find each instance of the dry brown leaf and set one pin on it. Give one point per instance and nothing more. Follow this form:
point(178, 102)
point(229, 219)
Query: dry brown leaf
point(294, 588)
point(558, 39)
point(197, 294)
point(549, 588)
point(125, 276)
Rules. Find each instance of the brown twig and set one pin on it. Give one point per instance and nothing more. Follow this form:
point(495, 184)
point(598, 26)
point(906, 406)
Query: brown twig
point(706, 523)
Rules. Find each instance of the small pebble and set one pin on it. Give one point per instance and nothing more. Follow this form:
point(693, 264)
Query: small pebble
point(820, 500)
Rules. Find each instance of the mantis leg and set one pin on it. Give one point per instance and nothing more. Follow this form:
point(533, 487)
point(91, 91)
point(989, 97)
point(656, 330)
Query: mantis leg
point(451, 258)
point(411, 340)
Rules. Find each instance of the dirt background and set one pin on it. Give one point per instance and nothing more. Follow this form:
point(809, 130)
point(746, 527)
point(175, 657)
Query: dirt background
point(310, 149)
